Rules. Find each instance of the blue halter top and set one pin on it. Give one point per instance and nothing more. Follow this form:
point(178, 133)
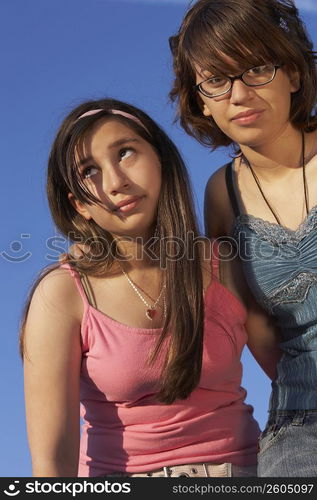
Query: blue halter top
point(280, 266)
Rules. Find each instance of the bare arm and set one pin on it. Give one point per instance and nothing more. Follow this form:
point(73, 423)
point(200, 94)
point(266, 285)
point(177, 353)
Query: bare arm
point(262, 334)
point(218, 214)
point(263, 337)
point(51, 375)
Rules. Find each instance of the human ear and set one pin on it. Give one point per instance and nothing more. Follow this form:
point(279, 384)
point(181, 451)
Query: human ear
point(199, 76)
point(79, 206)
point(206, 110)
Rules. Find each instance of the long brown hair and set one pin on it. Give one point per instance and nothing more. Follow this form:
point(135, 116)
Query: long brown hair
point(176, 219)
point(251, 33)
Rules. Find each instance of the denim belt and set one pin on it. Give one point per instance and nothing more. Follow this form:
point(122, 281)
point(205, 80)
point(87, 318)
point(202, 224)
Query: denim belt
point(186, 470)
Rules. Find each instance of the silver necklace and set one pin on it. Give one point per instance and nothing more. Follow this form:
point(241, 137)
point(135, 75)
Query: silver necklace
point(151, 309)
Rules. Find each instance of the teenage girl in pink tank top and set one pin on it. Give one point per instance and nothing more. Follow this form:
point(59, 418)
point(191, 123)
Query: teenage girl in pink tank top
point(142, 335)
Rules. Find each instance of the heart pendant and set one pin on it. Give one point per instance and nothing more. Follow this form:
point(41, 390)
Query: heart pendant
point(150, 313)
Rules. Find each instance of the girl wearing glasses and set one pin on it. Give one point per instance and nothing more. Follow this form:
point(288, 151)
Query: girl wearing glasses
point(245, 77)
point(141, 330)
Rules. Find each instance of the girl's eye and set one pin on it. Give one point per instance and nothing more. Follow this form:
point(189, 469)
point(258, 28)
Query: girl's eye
point(89, 172)
point(125, 153)
point(258, 70)
point(216, 80)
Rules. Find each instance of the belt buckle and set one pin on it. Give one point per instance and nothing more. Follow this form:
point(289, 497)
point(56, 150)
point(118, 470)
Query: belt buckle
point(167, 472)
point(182, 470)
point(205, 470)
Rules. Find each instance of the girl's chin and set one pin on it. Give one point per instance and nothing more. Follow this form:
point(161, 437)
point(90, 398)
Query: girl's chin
point(251, 139)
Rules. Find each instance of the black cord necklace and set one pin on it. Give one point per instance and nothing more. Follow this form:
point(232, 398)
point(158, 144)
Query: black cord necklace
point(304, 181)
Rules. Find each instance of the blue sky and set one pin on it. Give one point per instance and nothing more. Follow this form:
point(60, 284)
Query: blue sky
point(55, 54)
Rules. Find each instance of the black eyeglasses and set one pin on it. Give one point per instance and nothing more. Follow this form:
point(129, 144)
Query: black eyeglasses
point(254, 77)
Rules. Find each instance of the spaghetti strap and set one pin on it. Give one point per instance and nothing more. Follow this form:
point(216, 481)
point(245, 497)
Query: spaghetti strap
point(231, 190)
point(88, 290)
point(83, 285)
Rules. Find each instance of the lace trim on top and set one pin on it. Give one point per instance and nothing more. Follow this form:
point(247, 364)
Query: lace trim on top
point(294, 291)
point(273, 232)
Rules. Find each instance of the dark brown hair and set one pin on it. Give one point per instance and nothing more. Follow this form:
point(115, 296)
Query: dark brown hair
point(183, 328)
point(251, 33)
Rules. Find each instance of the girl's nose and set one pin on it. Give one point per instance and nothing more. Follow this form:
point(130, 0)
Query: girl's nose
point(240, 92)
point(116, 180)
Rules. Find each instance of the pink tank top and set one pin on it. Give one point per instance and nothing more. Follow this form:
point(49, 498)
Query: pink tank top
point(125, 429)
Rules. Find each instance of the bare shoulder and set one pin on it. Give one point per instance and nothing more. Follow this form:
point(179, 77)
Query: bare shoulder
point(218, 178)
point(217, 207)
point(52, 323)
point(216, 185)
point(57, 291)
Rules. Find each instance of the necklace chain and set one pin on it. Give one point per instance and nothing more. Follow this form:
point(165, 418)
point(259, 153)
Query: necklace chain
point(304, 181)
point(151, 309)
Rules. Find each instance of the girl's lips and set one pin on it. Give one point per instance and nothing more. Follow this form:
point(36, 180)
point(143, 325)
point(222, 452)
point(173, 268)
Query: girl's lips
point(248, 118)
point(129, 206)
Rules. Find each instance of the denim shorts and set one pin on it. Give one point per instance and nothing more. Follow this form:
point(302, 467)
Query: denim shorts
point(288, 444)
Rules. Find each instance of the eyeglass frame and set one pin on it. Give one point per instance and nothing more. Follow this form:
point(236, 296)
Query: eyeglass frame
point(234, 78)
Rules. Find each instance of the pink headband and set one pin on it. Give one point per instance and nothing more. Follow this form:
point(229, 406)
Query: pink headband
point(114, 112)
